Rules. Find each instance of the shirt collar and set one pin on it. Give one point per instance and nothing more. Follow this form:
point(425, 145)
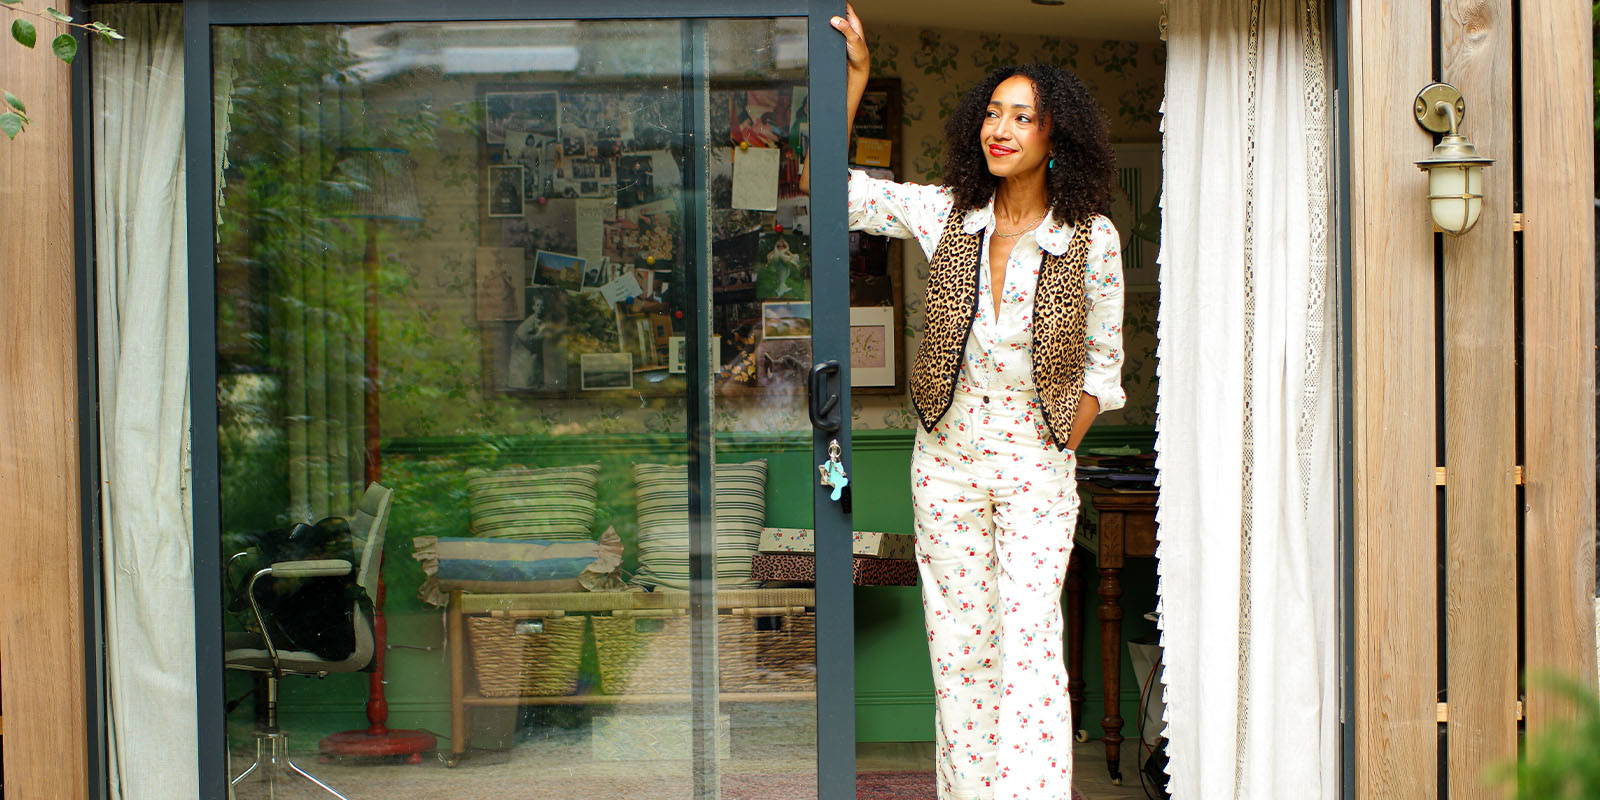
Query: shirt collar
point(1052, 237)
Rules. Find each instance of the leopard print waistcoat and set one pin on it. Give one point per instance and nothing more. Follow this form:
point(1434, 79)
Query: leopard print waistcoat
point(1060, 323)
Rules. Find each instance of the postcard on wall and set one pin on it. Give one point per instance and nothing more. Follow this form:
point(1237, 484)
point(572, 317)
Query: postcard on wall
point(872, 346)
point(755, 178)
point(622, 288)
point(873, 152)
point(536, 356)
point(557, 269)
point(606, 371)
point(526, 112)
point(591, 224)
point(782, 261)
point(678, 353)
point(786, 320)
point(501, 275)
point(783, 363)
point(506, 190)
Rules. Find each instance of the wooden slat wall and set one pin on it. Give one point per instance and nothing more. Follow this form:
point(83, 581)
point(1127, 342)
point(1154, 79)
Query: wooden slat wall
point(41, 608)
point(1397, 617)
point(1480, 413)
point(1558, 347)
point(1393, 436)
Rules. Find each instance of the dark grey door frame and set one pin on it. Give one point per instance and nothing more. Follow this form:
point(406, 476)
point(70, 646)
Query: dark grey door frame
point(830, 281)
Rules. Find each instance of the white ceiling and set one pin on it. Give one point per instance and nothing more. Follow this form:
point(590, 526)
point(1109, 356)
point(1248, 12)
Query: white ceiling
point(1133, 20)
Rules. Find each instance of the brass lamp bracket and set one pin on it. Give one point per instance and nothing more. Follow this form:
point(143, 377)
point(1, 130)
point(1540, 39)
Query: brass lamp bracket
point(1430, 107)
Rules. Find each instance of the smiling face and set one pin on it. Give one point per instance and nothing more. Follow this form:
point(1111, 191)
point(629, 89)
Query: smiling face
point(1014, 137)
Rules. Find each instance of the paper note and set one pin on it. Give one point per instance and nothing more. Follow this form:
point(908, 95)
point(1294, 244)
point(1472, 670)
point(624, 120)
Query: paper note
point(621, 289)
point(873, 152)
point(755, 178)
point(592, 216)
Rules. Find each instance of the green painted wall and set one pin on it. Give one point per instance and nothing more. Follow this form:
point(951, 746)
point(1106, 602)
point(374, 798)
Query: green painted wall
point(893, 683)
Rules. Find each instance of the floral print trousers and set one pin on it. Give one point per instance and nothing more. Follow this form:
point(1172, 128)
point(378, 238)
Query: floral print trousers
point(995, 509)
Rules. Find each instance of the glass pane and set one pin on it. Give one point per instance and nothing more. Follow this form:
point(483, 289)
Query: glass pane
point(457, 270)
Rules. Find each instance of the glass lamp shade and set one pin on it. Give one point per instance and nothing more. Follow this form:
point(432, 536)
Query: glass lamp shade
point(1455, 196)
point(1455, 183)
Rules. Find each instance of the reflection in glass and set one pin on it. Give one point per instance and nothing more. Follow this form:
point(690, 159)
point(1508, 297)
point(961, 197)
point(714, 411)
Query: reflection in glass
point(457, 268)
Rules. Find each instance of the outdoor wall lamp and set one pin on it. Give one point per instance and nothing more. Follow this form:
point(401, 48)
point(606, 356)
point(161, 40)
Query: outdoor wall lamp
point(1455, 170)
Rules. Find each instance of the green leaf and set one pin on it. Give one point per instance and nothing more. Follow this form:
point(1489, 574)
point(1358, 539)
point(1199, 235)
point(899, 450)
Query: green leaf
point(11, 100)
point(10, 2)
point(22, 30)
point(65, 46)
point(57, 15)
point(10, 125)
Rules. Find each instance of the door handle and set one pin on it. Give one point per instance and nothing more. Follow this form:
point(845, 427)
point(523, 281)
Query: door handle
point(824, 405)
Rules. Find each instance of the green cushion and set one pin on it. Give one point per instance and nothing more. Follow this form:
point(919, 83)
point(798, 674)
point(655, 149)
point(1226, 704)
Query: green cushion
point(663, 507)
point(551, 504)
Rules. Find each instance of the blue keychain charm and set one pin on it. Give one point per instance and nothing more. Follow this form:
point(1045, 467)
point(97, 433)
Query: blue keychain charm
point(832, 472)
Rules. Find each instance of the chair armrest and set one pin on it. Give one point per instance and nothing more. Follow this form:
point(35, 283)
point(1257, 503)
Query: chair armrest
point(310, 569)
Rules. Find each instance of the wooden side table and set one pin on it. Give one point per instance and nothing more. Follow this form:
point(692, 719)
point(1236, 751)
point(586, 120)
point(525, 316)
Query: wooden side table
point(1127, 530)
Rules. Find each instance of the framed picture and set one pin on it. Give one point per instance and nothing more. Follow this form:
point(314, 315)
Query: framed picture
point(1136, 211)
point(506, 190)
point(872, 350)
point(877, 264)
point(606, 371)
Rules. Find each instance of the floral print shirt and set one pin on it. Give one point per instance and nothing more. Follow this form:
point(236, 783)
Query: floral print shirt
point(1000, 348)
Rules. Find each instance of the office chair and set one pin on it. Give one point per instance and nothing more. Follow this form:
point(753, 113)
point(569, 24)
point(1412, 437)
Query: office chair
point(256, 651)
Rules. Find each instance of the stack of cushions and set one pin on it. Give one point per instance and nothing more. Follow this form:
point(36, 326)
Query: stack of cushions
point(663, 509)
point(531, 531)
point(517, 565)
point(553, 504)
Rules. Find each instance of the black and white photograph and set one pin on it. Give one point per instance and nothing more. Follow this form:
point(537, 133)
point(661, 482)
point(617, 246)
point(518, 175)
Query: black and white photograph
point(558, 269)
point(525, 112)
point(596, 272)
point(537, 358)
point(506, 190)
point(606, 371)
point(786, 320)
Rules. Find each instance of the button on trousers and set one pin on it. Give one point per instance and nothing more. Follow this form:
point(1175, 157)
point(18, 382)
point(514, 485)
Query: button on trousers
point(995, 509)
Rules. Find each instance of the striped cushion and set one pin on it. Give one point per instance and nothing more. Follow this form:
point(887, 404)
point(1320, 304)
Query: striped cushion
point(663, 506)
point(551, 504)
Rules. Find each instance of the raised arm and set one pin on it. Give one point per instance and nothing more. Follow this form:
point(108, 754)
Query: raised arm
point(858, 64)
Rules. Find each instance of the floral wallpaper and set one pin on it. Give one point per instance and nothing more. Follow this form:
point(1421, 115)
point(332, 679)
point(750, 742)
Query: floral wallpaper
point(934, 66)
point(435, 356)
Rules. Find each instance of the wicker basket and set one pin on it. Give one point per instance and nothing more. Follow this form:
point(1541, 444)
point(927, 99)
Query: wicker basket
point(512, 664)
point(651, 656)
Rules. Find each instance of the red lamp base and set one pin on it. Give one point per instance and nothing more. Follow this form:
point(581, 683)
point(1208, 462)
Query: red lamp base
point(389, 743)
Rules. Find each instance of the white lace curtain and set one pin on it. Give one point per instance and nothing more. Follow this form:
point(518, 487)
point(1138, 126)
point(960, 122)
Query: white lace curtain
point(1245, 413)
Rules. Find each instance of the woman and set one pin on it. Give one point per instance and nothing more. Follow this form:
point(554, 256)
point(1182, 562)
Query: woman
point(1021, 350)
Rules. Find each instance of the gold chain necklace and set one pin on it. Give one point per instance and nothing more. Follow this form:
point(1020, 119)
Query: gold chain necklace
point(1024, 230)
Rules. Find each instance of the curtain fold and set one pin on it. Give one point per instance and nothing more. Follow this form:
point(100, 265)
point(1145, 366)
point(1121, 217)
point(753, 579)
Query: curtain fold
point(1245, 413)
point(143, 362)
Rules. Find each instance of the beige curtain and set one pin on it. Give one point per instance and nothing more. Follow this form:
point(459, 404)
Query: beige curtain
point(143, 363)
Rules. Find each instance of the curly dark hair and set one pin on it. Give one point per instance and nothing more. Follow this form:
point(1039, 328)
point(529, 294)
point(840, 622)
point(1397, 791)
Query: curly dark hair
point(1079, 185)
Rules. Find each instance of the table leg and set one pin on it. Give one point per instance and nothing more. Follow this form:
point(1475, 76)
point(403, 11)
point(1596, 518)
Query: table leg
point(1111, 666)
point(1074, 613)
point(454, 623)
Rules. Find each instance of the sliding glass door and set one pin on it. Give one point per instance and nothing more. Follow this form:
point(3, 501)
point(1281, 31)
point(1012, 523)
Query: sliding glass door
point(512, 337)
